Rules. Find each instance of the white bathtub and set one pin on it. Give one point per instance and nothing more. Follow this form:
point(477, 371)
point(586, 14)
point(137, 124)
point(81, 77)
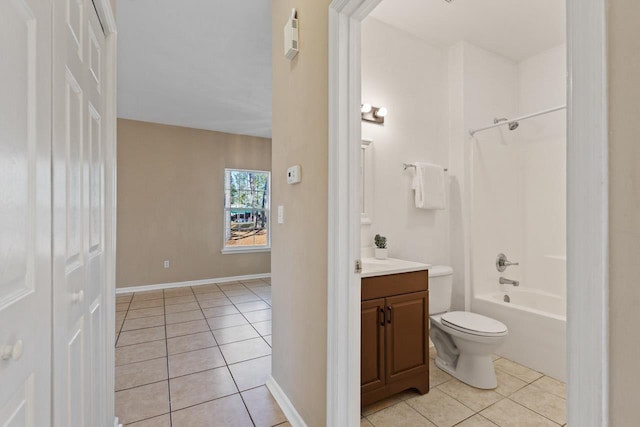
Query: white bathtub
point(537, 326)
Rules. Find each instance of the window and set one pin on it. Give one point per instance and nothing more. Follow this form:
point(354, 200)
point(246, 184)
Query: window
point(247, 196)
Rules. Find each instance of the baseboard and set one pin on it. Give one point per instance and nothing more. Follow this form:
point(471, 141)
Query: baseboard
point(116, 423)
point(126, 290)
point(285, 404)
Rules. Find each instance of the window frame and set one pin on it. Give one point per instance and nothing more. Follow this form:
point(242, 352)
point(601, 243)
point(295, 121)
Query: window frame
point(226, 209)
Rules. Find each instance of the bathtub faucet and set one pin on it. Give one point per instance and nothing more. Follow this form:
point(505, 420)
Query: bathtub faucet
point(502, 263)
point(504, 281)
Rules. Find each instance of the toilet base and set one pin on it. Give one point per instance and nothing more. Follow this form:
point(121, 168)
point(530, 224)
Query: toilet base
point(465, 356)
point(475, 370)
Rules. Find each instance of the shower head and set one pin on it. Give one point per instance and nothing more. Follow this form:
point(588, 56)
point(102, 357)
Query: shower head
point(512, 125)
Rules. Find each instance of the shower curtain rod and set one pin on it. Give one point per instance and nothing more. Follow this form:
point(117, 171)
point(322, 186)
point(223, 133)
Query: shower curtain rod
point(472, 132)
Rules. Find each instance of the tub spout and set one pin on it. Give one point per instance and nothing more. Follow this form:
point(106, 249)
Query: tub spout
point(504, 281)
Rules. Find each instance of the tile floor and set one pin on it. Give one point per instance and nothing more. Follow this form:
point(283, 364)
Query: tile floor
point(196, 356)
point(523, 398)
point(199, 356)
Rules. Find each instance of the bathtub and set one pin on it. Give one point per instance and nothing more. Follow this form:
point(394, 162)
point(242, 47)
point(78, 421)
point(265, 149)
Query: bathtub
point(537, 324)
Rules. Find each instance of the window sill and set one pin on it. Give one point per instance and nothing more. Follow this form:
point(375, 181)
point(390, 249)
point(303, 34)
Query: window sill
point(228, 251)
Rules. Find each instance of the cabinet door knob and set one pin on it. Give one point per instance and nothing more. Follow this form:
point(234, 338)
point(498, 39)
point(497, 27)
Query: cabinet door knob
point(77, 297)
point(382, 316)
point(13, 352)
point(390, 310)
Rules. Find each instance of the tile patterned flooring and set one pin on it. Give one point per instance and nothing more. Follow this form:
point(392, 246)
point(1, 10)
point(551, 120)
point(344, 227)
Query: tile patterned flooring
point(196, 356)
point(199, 356)
point(524, 397)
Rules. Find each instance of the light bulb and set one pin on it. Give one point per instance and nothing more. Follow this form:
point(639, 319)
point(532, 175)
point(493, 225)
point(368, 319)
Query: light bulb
point(366, 108)
point(381, 112)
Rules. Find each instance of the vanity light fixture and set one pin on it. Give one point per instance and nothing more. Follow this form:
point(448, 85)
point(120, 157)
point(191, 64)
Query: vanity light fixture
point(373, 114)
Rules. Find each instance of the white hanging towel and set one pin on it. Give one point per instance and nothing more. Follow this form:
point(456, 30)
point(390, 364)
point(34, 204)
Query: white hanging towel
point(428, 184)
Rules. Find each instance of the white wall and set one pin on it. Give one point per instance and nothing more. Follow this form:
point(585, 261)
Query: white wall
point(491, 91)
point(506, 189)
point(518, 185)
point(543, 144)
point(460, 179)
point(409, 77)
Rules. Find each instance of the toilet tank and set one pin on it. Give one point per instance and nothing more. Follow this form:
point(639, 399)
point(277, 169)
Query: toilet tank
point(440, 288)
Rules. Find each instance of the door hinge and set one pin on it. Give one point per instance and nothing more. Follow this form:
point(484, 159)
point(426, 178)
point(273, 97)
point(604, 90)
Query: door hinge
point(358, 269)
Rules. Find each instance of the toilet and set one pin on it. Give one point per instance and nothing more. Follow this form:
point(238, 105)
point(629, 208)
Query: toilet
point(464, 341)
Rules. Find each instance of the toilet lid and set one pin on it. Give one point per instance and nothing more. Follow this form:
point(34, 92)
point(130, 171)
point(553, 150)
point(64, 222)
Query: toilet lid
point(475, 323)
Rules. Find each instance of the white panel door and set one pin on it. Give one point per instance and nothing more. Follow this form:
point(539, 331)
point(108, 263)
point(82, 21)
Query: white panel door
point(78, 215)
point(25, 212)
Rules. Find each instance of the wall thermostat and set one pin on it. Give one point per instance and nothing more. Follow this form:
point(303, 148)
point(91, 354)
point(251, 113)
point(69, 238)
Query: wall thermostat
point(291, 36)
point(293, 175)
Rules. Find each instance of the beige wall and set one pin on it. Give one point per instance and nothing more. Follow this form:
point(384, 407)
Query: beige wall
point(299, 258)
point(299, 266)
point(624, 209)
point(170, 195)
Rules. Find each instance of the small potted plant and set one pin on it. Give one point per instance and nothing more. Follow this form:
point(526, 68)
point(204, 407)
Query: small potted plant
point(381, 246)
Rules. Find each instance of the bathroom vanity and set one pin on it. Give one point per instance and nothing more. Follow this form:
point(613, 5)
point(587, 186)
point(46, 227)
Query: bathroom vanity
point(395, 328)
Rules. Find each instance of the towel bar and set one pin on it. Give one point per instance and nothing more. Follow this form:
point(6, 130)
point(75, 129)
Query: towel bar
point(410, 165)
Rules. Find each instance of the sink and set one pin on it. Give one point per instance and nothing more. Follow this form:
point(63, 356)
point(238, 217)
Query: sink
point(381, 267)
point(375, 261)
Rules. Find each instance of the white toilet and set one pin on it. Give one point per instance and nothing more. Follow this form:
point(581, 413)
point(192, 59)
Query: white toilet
point(464, 341)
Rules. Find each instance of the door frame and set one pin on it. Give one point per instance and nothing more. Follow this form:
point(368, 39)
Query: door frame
point(106, 14)
point(343, 287)
point(587, 206)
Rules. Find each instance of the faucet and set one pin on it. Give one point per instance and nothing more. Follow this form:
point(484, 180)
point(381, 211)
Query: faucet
point(504, 281)
point(502, 263)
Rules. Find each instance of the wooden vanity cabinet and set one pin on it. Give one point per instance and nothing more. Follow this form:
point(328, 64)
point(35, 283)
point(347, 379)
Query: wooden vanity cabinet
point(372, 366)
point(395, 335)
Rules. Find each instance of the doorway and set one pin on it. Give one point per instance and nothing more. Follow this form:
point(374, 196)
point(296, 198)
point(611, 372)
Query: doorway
point(586, 206)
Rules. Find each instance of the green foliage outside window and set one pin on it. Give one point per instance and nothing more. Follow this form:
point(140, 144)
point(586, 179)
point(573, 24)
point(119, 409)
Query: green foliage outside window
point(246, 208)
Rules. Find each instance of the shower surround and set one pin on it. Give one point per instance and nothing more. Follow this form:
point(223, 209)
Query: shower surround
point(517, 193)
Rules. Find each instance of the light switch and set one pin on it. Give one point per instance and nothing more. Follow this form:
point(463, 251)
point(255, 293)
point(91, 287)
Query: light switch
point(280, 214)
point(166, 263)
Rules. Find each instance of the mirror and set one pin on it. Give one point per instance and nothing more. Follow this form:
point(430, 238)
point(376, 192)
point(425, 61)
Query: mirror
point(366, 181)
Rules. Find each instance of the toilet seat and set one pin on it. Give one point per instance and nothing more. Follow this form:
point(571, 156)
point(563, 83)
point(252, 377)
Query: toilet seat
point(474, 324)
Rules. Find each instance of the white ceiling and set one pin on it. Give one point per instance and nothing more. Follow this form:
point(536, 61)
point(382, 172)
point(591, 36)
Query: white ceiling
point(203, 64)
point(516, 29)
point(207, 63)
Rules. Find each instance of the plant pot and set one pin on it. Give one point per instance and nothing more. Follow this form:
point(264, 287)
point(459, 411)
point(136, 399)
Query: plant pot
point(381, 253)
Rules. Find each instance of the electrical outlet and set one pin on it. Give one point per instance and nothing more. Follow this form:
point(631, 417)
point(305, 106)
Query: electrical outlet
point(166, 263)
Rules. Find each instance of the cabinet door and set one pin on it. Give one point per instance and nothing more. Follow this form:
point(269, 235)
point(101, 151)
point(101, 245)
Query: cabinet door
point(407, 336)
point(372, 375)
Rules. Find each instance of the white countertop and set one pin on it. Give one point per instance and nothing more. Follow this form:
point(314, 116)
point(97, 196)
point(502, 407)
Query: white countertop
point(372, 267)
